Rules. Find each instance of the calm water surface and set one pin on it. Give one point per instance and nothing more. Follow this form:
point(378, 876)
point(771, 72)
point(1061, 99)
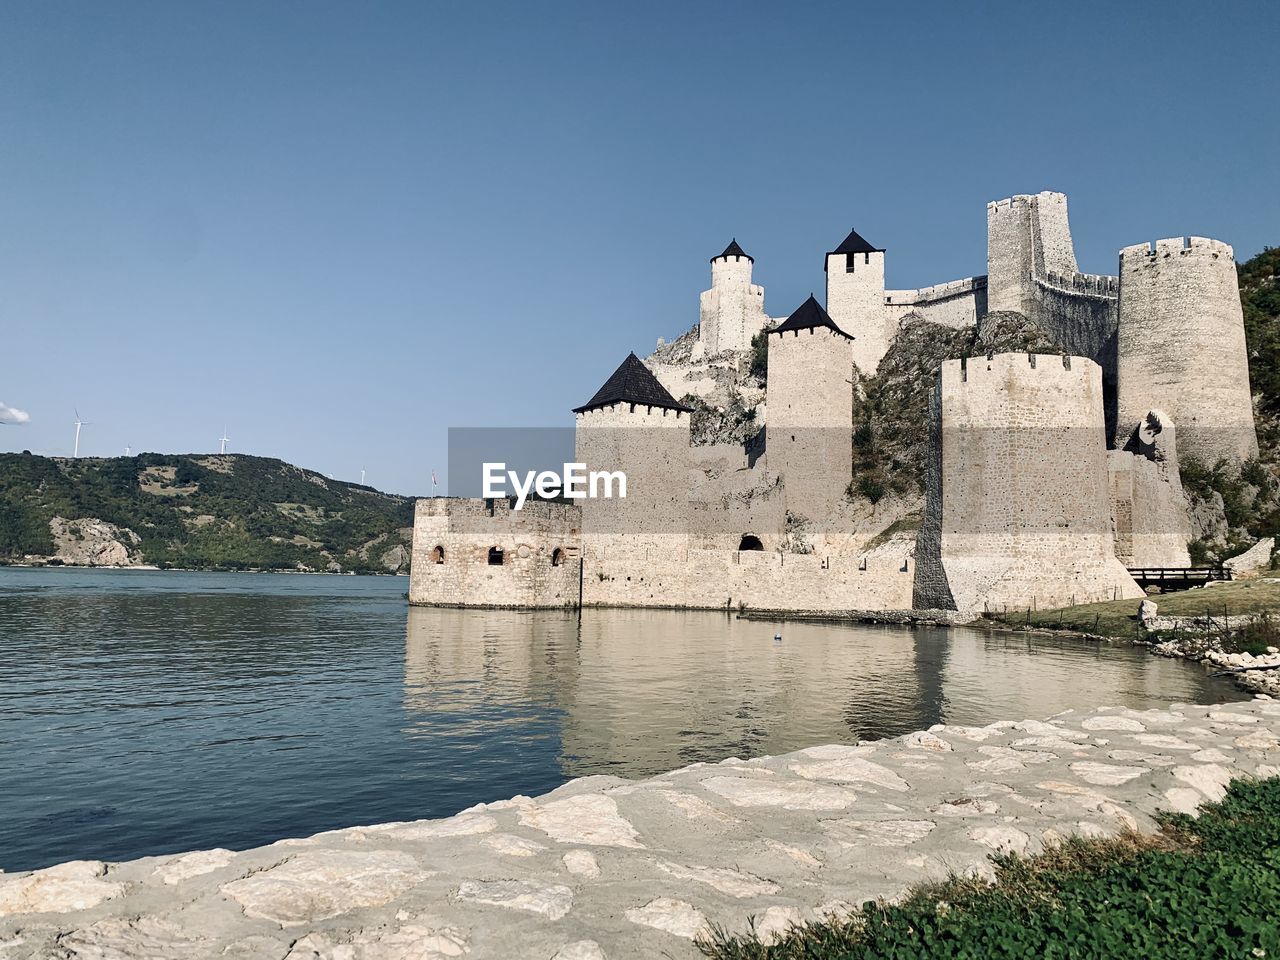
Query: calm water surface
point(145, 712)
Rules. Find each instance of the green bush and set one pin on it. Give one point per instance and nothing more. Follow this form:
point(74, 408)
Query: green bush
point(1207, 887)
point(871, 488)
point(760, 357)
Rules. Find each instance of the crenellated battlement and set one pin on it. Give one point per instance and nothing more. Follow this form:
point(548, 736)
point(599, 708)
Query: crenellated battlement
point(1025, 200)
point(641, 413)
point(1177, 247)
point(1023, 366)
point(939, 291)
point(1082, 284)
point(501, 510)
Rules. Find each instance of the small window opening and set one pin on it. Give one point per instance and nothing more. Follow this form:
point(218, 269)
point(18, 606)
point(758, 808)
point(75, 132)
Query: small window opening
point(437, 555)
point(849, 261)
point(557, 557)
point(495, 556)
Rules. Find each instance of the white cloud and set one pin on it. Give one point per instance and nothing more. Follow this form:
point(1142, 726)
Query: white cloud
point(10, 414)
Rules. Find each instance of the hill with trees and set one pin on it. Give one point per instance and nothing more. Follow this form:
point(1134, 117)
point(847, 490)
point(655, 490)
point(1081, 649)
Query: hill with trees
point(212, 512)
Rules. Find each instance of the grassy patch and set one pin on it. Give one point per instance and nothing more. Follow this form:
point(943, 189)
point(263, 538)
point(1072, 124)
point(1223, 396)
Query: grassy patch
point(1119, 618)
point(1207, 887)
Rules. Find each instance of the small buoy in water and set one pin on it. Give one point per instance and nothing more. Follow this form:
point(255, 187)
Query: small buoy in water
point(777, 638)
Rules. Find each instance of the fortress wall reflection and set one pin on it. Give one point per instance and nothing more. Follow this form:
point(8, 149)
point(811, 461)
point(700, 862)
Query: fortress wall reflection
point(635, 692)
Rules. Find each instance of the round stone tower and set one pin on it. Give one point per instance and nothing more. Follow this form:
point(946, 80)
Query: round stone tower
point(1181, 348)
point(732, 311)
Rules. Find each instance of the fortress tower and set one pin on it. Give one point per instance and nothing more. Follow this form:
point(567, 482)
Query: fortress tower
point(1181, 348)
point(1028, 236)
point(635, 426)
point(810, 429)
point(732, 311)
point(856, 299)
point(1017, 511)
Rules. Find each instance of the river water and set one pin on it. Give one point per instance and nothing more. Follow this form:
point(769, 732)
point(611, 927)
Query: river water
point(154, 712)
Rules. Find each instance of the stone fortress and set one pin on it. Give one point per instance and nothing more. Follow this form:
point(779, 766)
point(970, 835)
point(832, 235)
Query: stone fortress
point(1048, 475)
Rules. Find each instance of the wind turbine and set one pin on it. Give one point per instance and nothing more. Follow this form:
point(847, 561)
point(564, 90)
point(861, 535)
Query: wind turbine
point(79, 423)
point(224, 440)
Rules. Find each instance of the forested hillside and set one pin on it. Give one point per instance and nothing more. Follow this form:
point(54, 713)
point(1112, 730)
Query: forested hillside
point(230, 512)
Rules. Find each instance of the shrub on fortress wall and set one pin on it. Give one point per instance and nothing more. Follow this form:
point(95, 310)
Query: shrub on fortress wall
point(1260, 298)
point(759, 367)
point(891, 410)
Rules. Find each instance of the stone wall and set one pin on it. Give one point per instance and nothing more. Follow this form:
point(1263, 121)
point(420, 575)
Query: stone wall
point(810, 425)
point(452, 539)
point(628, 575)
point(1181, 347)
point(958, 304)
point(1017, 512)
point(1150, 509)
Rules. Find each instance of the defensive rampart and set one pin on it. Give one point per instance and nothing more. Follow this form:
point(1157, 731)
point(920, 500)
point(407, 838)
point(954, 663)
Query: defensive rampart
point(483, 553)
point(1017, 511)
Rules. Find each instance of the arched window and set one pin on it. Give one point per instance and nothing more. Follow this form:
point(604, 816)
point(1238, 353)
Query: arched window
point(495, 556)
point(437, 555)
point(750, 542)
point(557, 557)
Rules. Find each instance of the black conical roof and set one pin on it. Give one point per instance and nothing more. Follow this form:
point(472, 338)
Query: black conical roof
point(632, 382)
point(807, 316)
point(854, 243)
point(733, 250)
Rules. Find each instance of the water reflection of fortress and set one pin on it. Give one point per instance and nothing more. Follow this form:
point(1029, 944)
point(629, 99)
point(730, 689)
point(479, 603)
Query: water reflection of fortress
point(636, 692)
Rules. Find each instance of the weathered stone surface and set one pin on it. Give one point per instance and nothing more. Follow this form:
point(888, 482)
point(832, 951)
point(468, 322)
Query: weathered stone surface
point(587, 818)
point(1105, 774)
point(550, 900)
point(851, 769)
point(782, 839)
point(791, 795)
point(325, 883)
point(731, 882)
point(673, 916)
point(193, 865)
point(581, 950)
point(878, 833)
point(413, 941)
point(75, 885)
point(581, 862)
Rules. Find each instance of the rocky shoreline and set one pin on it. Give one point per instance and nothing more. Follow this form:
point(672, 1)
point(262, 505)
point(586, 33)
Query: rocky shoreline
point(604, 867)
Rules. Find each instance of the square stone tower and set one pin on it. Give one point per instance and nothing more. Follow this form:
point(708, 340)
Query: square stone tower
point(809, 437)
point(856, 299)
point(634, 426)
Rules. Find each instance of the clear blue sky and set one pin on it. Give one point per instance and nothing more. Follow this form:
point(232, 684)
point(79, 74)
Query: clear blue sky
point(342, 228)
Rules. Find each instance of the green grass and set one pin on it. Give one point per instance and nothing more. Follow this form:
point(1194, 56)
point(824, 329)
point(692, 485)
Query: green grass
point(1119, 618)
point(1196, 889)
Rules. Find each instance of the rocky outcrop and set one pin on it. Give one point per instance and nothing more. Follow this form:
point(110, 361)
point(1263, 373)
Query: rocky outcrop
point(94, 543)
point(607, 868)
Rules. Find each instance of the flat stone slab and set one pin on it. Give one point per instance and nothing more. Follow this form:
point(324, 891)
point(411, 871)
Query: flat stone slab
point(607, 868)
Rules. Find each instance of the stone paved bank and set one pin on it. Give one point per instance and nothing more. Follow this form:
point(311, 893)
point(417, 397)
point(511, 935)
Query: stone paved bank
point(609, 868)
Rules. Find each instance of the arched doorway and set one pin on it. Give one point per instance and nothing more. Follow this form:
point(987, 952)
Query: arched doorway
point(557, 557)
point(750, 542)
point(437, 555)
